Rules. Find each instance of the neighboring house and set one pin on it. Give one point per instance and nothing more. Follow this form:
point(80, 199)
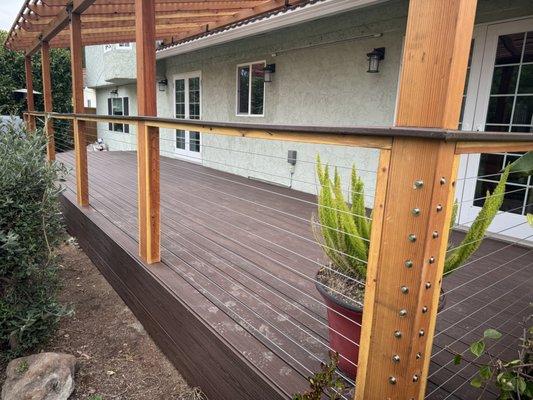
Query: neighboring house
point(321, 78)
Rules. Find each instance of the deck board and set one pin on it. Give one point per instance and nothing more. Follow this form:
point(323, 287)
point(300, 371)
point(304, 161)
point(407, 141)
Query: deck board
point(241, 254)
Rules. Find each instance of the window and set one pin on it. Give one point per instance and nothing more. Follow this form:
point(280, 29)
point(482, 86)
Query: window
point(118, 106)
point(251, 89)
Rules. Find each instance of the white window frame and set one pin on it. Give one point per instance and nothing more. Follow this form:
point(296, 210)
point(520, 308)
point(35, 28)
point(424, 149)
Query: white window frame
point(121, 98)
point(249, 114)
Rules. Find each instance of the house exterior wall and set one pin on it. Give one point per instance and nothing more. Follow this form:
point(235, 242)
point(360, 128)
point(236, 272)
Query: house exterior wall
point(106, 68)
point(315, 84)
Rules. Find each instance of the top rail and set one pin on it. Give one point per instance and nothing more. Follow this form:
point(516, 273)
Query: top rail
point(360, 136)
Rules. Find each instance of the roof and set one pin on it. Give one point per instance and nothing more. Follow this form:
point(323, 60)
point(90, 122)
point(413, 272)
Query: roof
point(287, 16)
point(113, 21)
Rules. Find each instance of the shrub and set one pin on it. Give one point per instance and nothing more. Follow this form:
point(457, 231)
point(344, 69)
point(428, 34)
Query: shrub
point(30, 231)
point(344, 230)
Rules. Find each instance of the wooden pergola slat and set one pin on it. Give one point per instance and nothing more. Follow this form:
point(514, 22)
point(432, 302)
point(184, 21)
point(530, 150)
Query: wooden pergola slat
point(48, 21)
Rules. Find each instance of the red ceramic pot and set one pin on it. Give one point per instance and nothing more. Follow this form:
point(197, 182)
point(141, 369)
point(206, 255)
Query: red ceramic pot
point(344, 322)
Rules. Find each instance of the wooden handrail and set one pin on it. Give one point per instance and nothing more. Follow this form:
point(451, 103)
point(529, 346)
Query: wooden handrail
point(372, 137)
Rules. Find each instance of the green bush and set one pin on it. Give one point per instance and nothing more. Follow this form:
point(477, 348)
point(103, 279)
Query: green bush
point(343, 229)
point(30, 232)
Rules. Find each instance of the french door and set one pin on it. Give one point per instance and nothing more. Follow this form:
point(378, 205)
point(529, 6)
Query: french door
point(187, 99)
point(498, 97)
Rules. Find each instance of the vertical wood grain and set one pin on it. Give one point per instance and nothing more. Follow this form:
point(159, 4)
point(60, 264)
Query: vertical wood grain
point(404, 279)
point(147, 137)
point(30, 102)
point(47, 100)
point(80, 142)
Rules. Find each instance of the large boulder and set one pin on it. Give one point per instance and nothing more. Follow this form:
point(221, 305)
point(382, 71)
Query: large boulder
point(44, 376)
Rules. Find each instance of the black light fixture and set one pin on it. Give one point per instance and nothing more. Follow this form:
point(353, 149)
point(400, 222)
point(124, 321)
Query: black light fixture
point(269, 70)
point(162, 84)
point(114, 92)
point(374, 57)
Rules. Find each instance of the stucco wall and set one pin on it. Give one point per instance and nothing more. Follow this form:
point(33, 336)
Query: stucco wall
point(105, 68)
point(323, 85)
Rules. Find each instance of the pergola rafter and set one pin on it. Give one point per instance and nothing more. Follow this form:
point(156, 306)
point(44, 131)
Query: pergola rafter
point(48, 20)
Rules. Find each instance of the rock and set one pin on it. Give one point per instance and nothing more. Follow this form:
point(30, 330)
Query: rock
point(44, 376)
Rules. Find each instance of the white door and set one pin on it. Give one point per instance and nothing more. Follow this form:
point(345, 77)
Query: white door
point(498, 97)
point(187, 99)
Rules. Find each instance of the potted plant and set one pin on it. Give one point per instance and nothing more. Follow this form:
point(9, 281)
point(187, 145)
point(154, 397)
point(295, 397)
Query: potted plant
point(343, 230)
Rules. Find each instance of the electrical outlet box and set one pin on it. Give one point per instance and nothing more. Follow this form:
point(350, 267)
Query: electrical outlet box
point(291, 157)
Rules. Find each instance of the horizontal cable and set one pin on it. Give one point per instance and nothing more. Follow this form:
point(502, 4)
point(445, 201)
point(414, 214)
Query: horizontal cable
point(491, 175)
point(492, 195)
point(486, 305)
point(500, 212)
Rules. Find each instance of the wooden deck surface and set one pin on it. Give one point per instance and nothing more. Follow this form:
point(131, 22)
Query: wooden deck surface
point(241, 254)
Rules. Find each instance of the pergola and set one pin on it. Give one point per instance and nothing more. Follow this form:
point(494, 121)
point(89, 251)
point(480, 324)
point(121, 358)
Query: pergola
point(436, 49)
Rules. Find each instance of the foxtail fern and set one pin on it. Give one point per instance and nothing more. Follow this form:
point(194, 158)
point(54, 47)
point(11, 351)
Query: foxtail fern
point(343, 229)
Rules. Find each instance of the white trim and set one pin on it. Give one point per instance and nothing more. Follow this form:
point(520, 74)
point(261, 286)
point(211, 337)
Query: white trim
point(186, 154)
point(283, 19)
point(249, 114)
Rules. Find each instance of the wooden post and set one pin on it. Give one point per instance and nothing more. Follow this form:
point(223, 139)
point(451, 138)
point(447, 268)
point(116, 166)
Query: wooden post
point(30, 123)
point(80, 143)
point(407, 253)
point(147, 137)
point(47, 98)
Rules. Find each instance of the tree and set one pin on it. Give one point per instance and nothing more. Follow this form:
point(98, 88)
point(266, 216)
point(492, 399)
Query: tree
point(12, 77)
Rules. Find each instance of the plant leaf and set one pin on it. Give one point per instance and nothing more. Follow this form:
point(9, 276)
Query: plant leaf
point(492, 334)
point(523, 166)
point(457, 359)
point(477, 348)
point(476, 382)
point(485, 372)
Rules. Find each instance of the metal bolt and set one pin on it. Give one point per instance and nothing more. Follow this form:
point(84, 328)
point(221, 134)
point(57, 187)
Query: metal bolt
point(396, 358)
point(404, 289)
point(431, 260)
point(409, 263)
point(418, 184)
point(397, 334)
point(439, 207)
point(424, 310)
point(442, 180)
point(392, 380)
point(418, 356)
point(428, 285)
point(416, 212)
point(421, 332)
point(435, 234)
point(415, 378)
point(403, 312)
point(412, 237)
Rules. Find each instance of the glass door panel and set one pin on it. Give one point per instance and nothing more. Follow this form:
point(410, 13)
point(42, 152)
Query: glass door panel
point(187, 105)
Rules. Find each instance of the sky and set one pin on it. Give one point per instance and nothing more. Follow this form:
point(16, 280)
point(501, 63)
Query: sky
point(8, 12)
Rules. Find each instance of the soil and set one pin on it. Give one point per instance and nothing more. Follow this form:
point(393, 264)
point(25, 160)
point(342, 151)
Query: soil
point(117, 359)
point(340, 286)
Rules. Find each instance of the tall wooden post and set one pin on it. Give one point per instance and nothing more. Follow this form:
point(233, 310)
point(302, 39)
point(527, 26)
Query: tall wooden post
point(147, 137)
point(47, 98)
point(80, 142)
point(407, 253)
point(29, 95)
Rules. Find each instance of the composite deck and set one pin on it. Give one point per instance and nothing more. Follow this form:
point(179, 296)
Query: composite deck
point(233, 302)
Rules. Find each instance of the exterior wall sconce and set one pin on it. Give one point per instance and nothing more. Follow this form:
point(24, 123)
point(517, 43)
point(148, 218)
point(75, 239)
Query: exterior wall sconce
point(162, 84)
point(114, 92)
point(374, 57)
point(269, 70)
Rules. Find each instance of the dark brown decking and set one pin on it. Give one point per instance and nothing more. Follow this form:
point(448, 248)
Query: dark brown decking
point(233, 303)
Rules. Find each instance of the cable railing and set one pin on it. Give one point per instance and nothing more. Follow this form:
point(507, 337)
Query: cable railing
point(270, 258)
